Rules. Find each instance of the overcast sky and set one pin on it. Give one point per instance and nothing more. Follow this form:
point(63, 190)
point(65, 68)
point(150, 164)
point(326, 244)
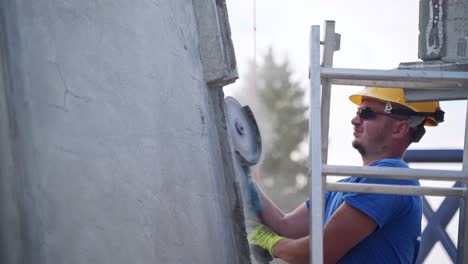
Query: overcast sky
point(374, 35)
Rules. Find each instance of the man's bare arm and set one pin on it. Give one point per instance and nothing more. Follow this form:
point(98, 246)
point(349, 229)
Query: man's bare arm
point(293, 251)
point(345, 229)
point(292, 225)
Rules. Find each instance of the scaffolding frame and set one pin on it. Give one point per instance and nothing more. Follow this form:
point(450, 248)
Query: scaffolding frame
point(425, 85)
point(439, 218)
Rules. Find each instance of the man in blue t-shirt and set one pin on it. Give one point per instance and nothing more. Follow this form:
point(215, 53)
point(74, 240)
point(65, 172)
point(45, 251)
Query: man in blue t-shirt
point(361, 227)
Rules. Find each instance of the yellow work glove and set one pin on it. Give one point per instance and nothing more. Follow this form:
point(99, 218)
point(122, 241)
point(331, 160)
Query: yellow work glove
point(264, 237)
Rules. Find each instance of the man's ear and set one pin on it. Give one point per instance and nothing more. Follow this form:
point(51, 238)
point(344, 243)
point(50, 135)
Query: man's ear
point(401, 129)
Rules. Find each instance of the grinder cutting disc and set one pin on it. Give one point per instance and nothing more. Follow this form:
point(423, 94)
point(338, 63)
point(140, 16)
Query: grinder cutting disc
point(244, 131)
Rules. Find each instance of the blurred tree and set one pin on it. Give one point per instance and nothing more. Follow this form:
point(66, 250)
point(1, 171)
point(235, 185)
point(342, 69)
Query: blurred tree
point(279, 107)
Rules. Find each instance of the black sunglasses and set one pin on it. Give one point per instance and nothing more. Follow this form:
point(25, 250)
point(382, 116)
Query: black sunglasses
point(367, 113)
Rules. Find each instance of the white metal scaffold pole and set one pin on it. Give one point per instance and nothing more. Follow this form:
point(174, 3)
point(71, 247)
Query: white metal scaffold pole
point(315, 151)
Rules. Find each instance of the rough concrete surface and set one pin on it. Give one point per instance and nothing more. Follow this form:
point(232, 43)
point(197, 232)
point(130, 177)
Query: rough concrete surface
point(110, 141)
point(443, 30)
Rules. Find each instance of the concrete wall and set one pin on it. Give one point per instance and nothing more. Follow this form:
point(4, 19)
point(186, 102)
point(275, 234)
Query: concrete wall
point(112, 144)
point(443, 30)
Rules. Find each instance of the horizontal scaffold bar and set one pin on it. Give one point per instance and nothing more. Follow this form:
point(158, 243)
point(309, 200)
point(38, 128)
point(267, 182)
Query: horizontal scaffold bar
point(395, 173)
point(434, 155)
point(394, 189)
point(397, 78)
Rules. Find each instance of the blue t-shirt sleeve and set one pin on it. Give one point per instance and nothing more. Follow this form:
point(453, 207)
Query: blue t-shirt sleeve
point(381, 207)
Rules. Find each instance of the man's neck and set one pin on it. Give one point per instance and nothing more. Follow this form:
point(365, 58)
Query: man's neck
point(387, 151)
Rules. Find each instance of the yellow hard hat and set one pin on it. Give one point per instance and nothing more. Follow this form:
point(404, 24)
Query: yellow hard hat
point(430, 110)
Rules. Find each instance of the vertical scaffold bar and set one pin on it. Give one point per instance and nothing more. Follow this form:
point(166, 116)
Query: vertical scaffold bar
point(462, 249)
point(315, 154)
point(331, 44)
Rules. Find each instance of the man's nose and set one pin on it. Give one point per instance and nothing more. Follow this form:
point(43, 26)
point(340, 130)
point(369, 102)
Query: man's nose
point(356, 120)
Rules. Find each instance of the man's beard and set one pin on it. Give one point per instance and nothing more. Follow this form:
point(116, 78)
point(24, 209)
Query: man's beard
point(359, 147)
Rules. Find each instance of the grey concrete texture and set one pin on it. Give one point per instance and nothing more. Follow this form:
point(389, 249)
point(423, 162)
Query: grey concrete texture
point(111, 141)
point(443, 30)
point(217, 51)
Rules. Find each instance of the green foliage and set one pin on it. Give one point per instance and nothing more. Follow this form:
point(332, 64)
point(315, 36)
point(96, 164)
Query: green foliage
point(278, 104)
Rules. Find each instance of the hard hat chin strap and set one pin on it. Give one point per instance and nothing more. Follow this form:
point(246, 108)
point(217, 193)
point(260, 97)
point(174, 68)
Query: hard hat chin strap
point(415, 121)
point(419, 132)
point(438, 115)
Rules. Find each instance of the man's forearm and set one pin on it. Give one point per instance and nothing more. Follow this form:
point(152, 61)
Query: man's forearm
point(271, 215)
point(294, 251)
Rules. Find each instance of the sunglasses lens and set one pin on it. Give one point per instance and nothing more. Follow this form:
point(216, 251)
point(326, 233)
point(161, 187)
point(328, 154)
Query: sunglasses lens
point(366, 113)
